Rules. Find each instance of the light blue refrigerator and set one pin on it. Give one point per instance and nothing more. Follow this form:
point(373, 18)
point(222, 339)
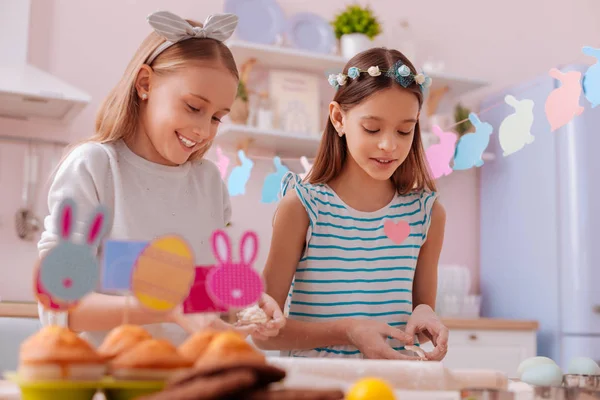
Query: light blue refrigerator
point(540, 226)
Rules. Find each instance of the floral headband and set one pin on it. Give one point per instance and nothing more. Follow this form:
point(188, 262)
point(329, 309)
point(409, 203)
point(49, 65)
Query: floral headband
point(400, 72)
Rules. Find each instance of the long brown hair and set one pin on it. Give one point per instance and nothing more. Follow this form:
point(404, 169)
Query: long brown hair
point(412, 174)
point(117, 117)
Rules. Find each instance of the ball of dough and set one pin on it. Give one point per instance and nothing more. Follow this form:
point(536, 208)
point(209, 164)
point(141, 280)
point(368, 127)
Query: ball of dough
point(532, 362)
point(543, 375)
point(583, 366)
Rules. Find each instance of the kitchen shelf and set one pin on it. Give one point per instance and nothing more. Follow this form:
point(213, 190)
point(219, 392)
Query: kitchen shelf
point(457, 86)
point(285, 57)
point(291, 58)
point(284, 144)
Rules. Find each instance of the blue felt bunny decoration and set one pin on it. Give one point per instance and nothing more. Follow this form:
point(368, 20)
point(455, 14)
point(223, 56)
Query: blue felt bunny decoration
point(471, 146)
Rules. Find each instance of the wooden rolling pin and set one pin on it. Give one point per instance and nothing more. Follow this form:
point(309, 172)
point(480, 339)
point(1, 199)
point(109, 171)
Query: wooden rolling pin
point(478, 378)
point(407, 375)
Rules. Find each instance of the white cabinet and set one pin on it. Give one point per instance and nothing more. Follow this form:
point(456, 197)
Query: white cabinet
point(501, 350)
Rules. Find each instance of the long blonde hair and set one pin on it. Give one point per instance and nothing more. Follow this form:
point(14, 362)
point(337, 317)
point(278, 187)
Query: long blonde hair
point(117, 117)
point(412, 174)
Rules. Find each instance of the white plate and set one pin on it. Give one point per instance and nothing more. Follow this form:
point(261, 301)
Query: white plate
point(260, 21)
point(308, 31)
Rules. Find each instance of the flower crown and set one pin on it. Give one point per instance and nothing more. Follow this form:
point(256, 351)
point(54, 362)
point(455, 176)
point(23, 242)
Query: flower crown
point(400, 72)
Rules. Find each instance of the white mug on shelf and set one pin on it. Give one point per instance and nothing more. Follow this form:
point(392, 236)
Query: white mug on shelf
point(454, 279)
point(471, 306)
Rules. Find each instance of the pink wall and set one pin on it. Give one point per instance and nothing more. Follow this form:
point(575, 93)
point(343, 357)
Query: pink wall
point(72, 40)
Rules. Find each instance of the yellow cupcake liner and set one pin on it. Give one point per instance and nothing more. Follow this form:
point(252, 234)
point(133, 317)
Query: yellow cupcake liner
point(113, 389)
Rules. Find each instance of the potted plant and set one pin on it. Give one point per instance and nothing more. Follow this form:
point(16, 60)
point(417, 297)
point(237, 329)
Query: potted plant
point(240, 109)
point(462, 114)
point(355, 27)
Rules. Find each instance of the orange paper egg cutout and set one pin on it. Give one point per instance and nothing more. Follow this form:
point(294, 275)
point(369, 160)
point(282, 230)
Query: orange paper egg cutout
point(163, 273)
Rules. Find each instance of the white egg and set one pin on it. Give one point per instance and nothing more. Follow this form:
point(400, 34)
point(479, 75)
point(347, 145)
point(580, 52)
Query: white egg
point(532, 361)
point(543, 375)
point(583, 366)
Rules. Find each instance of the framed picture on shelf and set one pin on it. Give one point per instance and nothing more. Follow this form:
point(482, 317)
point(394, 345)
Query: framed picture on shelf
point(295, 103)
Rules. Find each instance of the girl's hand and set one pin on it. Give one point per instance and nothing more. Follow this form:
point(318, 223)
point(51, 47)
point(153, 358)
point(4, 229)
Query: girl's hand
point(196, 322)
point(425, 321)
point(276, 319)
point(370, 337)
point(192, 323)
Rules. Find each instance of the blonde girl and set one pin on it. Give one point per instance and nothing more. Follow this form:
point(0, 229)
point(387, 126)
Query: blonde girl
point(358, 241)
point(145, 161)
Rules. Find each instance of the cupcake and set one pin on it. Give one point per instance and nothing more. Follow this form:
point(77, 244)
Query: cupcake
point(153, 359)
point(230, 346)
point(196, 344)
point(121, 339)
point(57, 353)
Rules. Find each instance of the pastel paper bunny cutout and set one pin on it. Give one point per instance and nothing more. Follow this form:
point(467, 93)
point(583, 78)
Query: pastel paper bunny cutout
point(591, 79)
point(515, 130)
point(307, 167)
point(439, 155)
point(234, 285)
point(562, 103)
point(270, 190)
point(239, 175)
point(471, 146)
point(70, 270)
point(222, 162)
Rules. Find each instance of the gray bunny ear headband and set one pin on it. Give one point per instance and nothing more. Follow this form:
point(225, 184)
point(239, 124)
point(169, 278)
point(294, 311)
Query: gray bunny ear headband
point(176, 29)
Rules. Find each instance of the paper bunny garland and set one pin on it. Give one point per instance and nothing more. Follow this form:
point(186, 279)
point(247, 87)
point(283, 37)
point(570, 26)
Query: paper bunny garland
point(515, 130)
point(562, 104)
point(440, 155)
point(591, 80)
point(240, 175)
point(470, 147)
point(271, 186)
point(70, 270)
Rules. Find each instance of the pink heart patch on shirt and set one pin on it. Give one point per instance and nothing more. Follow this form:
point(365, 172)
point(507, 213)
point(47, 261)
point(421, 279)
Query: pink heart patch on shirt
point(397, 232)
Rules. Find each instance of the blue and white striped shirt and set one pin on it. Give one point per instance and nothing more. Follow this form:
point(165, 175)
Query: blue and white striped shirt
point(350, 268)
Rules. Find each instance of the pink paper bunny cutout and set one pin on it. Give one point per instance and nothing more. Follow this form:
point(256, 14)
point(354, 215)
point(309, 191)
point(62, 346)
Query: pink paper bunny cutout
point(563, 102)
point(222, 162)
point(234, 285)
point(441, 154)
